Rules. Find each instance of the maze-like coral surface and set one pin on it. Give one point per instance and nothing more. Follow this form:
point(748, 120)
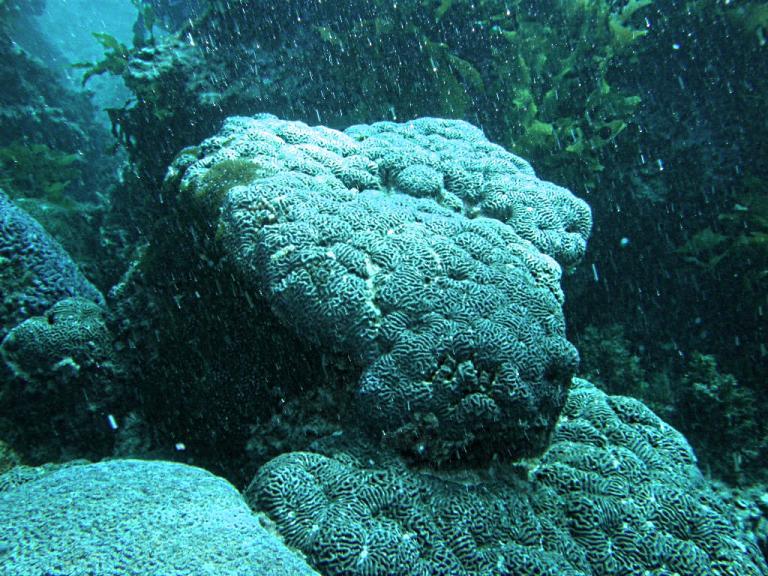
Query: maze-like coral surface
point(59, 381)
point(617, 493)
point(133, 518)
point(73, 328)
point(423, 252)
point(35, 271)
point(453, 163)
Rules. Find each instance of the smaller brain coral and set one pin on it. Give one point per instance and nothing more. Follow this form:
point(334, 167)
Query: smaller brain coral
point(72, 331)
point(616, 493)
point(59, 381)
point(35, 271)
point(377, 244)
point(133, 517)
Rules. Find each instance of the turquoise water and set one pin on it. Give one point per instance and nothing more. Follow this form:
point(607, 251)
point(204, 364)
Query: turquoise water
point(383, 288)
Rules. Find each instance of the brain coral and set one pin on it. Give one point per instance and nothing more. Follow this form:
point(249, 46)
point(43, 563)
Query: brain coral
point(72, 331)
point(423, 252)
point(59, 381)
point(617, 493)
point(131, 517)
point(453, 163)
point(35, 271)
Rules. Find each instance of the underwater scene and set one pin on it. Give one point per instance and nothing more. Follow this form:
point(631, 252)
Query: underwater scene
point(383, 287)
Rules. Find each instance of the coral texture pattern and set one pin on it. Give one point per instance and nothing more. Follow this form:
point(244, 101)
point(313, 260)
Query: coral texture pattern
point(132, 517)
point(35, 271)
point(617, 492)
point(423, 252)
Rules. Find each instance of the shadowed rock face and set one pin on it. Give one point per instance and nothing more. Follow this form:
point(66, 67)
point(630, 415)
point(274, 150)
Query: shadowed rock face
point(426, 254)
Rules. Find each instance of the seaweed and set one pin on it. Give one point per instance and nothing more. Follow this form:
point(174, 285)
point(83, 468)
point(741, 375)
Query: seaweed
point(455, 78)
point(116, 55)
point(721, 419)
point(543, 74)
point(736, 246)
point(565, 109)
point(38, 171)
point(616, 364)
point(751, 17)
point(147, 18)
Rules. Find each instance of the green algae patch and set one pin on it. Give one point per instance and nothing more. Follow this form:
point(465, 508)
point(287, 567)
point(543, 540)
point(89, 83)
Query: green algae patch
point(226, 175)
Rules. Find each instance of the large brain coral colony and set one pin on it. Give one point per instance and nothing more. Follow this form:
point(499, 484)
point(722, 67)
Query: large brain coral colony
point(422, 251)
point(431, 259)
